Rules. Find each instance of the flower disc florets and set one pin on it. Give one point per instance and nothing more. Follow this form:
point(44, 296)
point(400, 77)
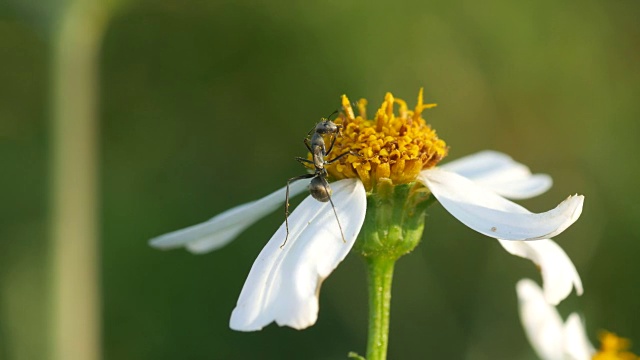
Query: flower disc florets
point(613, 347)
point(392, 146)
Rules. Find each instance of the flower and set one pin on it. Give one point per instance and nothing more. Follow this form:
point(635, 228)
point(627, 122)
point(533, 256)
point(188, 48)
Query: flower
point(396, 152)
point(552, 339)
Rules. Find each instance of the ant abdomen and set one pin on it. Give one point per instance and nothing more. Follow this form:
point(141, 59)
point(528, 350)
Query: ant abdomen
point(319, 189)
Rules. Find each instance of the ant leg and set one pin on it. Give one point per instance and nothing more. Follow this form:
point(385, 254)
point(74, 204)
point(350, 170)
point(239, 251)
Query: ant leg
point(303, 160)
point(308, 144)
point(286, 203)
point(324, 183)
point(333, 141)
point(341, 156)
point(311, 131)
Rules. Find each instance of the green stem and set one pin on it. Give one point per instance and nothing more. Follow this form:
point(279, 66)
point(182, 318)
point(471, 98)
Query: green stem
point(392, 227)
point(380, 271)
point(75, 262)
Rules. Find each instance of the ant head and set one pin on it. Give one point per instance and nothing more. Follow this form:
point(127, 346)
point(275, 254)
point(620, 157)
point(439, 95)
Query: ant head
point(326, 126)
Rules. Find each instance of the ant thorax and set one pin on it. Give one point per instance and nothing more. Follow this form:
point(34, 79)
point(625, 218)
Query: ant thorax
point(317, 141)
point(318, 157)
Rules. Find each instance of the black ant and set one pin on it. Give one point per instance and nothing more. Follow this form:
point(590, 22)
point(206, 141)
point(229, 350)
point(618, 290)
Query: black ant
point(319, 186)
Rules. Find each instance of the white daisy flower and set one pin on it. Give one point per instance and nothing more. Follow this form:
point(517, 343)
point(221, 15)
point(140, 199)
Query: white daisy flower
point(387, 188)
point(553, 339)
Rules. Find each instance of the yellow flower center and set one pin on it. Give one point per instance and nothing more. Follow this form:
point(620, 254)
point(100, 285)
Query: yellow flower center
point(392, 146)
point(613, 347)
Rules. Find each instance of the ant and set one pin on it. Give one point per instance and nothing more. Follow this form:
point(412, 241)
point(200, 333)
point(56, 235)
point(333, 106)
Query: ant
point(319, 186)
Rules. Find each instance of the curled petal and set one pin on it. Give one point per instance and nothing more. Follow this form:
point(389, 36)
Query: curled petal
point(223, 228)
point(500, 173)
point(541, 321)
point(284, 283)
point(576, 342)
point(559, 275)
point(490, 214)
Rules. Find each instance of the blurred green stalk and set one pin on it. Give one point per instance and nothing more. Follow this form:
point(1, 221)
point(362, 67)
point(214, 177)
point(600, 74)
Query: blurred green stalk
point(76, 323)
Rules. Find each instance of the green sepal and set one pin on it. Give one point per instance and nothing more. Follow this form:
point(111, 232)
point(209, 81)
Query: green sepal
point(394, 221)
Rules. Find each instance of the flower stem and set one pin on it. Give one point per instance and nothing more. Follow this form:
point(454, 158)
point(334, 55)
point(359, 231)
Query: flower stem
point(75, 311)
point(380, 271)
point(392, 227)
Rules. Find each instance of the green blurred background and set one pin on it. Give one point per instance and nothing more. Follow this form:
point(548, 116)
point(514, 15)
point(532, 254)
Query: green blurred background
point(204, 104)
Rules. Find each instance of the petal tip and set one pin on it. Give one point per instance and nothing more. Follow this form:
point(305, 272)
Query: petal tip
point(159, 243)
point(526, 287)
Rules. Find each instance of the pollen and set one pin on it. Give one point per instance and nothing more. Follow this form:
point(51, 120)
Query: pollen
point(613, 347)
point(395, 144)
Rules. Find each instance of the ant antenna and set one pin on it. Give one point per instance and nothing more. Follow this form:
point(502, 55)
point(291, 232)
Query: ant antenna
point(328, 118)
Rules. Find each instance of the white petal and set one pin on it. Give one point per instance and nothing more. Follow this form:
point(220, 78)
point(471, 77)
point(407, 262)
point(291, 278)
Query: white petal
point(490, 214)
point(223, 228)
point(576, 342)
point(541, 321)
point(479, 164)
point(500, 173)
point(283, 284)
point(559, 275)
